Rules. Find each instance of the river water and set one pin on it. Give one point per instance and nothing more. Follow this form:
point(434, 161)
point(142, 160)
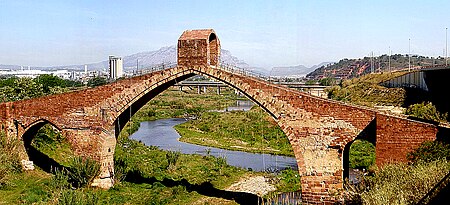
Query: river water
point(161, 133)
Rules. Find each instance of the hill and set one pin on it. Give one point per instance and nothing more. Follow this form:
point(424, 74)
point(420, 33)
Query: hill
point(146, 59)
point(350, 68)
point(294, 71)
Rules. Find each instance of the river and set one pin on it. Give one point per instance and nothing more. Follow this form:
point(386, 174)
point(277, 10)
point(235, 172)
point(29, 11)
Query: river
point(161, 133)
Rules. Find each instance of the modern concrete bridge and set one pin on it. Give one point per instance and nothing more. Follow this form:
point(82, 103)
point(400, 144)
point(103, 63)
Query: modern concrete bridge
point(319, 130)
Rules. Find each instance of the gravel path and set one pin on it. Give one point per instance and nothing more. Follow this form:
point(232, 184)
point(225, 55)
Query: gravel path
point(258, 185)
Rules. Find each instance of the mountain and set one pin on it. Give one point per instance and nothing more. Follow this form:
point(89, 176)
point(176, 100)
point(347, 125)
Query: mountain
point(146, 59)
point(294, 71)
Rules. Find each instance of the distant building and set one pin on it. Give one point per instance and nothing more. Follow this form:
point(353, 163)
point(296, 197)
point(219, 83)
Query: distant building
point(115, 67)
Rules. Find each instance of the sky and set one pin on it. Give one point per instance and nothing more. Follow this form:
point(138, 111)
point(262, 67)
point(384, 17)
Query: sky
point(262, 33)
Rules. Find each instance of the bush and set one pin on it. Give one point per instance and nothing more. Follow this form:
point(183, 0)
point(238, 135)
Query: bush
point(362, 154)
point(399, 183)
point(83, 171)
point(327, 81)
point(288, 181)
point(120, 169)
point(426, 111)
point(71, 197)
point(9, 159)
point(172, 158)
point(97, 81)
point(430, 151)
point(60, 180)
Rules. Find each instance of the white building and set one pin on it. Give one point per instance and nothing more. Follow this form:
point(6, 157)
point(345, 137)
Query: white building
point(65, 74)
point(115, 67)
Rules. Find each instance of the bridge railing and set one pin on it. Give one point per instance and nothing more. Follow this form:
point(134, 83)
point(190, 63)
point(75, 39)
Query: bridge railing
point(222, 65)
point(154, 68)
point(243, 71)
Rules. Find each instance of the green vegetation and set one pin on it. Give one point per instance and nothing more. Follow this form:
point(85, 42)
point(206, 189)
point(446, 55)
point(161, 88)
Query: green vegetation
point(251, 131)
point(50, 82)
point(362, 154)
point(288, 181)
point(430, 151)
point(400, 183)
point(9, 160)
point(327, 81)
point(13, 89)
point(366, 91)
point(52, 143)
point(97, 81)
point(83, 171)
point(426, 111)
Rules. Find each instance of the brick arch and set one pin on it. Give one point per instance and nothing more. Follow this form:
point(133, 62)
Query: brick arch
point(172, 76)
point(368, 134)
point(214, 49)
point(40, 159)
point(134, 104)
point(31, 130)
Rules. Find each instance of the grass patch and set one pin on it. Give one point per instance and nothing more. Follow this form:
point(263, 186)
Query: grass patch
point(400, 183)
point(366, 90)
point(251, 131)
point(53, 144)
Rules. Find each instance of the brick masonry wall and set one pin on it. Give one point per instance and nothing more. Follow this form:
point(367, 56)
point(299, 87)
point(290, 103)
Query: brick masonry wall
point(396, 137)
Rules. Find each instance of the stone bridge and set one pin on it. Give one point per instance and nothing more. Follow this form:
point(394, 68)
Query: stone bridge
point(319, 130)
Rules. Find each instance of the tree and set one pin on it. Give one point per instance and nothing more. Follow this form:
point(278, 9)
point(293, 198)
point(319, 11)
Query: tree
point(7, 81)
point(21, 89)
point(430, 151)
point(72, 83)
point(426, 111)
point(47, 81)
point(97, 81)
point(327, 81)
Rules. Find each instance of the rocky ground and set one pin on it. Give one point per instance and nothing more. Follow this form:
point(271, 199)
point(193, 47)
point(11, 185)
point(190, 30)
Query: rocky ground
point(258, 185)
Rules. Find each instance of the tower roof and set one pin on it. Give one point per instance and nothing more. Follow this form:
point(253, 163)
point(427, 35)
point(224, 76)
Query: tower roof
point(196, 34)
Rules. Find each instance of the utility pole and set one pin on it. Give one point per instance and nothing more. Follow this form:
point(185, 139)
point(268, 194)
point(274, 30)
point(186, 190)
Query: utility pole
point(389, 64)
point(446, 47)
point(371, 62)
point(409, 54)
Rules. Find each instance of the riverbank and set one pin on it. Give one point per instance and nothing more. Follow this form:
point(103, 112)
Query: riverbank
point(249, 131)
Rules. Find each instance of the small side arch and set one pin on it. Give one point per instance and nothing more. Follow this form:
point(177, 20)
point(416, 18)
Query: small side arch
point(39, 159)
point(368, 134)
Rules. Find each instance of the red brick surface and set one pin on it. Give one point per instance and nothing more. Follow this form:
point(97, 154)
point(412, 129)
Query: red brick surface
point(396, 137)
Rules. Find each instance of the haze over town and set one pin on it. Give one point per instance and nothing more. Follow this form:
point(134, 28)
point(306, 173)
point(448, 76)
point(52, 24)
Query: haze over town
point(262, 33)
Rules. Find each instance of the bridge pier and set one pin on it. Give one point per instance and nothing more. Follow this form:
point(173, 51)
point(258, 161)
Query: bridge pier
point(99, 144)
point(321, 170)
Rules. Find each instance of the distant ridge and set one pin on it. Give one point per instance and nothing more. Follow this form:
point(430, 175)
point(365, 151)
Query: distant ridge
point(166, 54)
point(294, 71)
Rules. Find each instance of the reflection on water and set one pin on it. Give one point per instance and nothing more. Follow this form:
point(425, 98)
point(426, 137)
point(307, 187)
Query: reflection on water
point(162, 134)
point(240, 105)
